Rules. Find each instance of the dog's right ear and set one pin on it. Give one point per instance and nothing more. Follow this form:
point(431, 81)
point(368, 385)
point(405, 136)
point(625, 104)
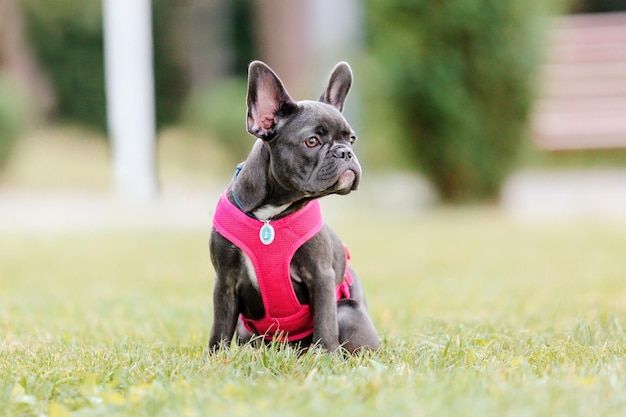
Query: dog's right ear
point(268, 101)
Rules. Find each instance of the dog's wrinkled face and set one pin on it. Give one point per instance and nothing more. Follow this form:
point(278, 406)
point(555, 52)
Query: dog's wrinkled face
point(313, 152)
point(310, 142)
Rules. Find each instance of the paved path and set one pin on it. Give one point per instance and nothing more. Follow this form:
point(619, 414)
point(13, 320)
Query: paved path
point(75, 211)
point(530, 195)
point(598, 194)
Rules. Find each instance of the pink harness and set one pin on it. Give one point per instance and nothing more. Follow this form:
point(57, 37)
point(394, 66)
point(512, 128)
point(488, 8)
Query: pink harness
point(285, 317)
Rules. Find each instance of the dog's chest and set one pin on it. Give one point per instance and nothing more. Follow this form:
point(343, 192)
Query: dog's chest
point(267, 212)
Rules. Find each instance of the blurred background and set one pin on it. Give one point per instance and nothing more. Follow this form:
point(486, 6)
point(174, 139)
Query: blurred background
point(517, 105)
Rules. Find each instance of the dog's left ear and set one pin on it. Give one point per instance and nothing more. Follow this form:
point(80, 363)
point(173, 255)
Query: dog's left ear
point(338, 87)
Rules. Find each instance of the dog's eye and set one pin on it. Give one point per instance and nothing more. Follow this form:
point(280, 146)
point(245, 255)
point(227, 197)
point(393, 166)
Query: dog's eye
point(312, 142)
point(352, 139)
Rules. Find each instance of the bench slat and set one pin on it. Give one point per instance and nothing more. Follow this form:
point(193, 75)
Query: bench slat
point(588, 89)
point(573, 54)
point(583, 85)
point(592, 105)
point(584, 70)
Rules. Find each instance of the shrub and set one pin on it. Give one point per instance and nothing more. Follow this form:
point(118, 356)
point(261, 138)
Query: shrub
point(67, 36)
point(462, 75)
point(15, 113)
point(219, 112)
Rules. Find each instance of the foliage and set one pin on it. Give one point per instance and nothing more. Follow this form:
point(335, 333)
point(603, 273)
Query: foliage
point(242, 28)
point(462, 77)
point(599, 6)
point(480, 317)
point(67, 36)
point(383, 144)
point(218, 111)
point(15, 115)
point(170, 81)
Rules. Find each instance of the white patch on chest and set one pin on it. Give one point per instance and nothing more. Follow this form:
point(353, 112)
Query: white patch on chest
point(250, 268)
point(293, 272)
point(267, 212)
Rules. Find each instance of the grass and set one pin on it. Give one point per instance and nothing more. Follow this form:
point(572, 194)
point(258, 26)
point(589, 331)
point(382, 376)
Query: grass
point(479, 317)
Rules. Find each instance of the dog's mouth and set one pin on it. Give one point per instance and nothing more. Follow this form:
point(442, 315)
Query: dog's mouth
point(347, 181)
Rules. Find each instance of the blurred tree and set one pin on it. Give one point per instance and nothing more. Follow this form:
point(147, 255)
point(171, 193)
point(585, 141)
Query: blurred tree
point(282, 31)
point(303, 39)
point(66, 36)
point(16, 57)
point(462, 77)
point(204, 43)
point(23, 91)
point(171, 82)
point(242, 32)
point(15, 116)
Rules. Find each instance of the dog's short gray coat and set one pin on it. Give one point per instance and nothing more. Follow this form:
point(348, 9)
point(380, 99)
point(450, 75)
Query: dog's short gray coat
point(303, 152)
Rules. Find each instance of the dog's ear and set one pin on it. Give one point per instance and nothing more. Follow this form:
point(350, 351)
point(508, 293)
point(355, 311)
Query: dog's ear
point(338, 87)
point(268, 101)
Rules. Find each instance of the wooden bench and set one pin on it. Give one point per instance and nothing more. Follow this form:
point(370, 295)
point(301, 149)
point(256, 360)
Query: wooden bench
point(582, 102)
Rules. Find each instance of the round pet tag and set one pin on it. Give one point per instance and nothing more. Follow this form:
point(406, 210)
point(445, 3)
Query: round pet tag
point(267, 233)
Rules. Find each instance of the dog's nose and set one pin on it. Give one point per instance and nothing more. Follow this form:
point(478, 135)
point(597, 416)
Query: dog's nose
point(342, 152)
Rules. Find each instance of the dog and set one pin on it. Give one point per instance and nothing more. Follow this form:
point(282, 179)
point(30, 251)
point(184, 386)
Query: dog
point(281, 273)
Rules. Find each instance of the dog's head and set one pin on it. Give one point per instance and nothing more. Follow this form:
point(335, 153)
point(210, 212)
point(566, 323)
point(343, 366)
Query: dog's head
point(309, 142)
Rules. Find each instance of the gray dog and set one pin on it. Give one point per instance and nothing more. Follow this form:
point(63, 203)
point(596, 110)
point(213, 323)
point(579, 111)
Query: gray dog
point(281, 273)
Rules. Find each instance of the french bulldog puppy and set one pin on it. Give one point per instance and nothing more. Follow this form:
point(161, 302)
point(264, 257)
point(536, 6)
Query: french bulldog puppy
point(281, 273)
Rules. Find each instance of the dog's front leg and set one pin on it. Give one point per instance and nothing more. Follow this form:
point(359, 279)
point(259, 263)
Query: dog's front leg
point(225, 313)
point(325, 328)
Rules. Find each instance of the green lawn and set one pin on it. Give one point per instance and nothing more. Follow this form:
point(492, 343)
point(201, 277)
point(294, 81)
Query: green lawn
point(479, 317)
